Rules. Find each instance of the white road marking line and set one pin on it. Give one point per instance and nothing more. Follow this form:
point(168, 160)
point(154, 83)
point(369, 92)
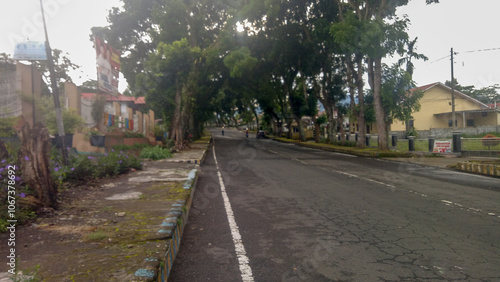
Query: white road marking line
point(302, 162)
point(473, 210)
point(244, 262)
point(364, 178)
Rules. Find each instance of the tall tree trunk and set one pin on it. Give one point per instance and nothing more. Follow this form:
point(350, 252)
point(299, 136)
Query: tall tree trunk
point(341, 131)
point(332, 124)
point(316, 132)
point(302, 136)
point(361, 98)
point(176, 126)
point(35, 165)
point(379, 109)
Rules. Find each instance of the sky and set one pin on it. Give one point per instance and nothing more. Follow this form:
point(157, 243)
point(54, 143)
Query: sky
point(457, 24)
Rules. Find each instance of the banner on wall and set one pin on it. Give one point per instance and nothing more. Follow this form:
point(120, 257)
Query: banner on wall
point(108, 67)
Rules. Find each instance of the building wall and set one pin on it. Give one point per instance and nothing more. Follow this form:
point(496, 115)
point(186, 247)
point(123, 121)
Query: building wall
point(73, 97)
point(30, 90)
point(491, 118)
point(10, 104)
point(437, 100)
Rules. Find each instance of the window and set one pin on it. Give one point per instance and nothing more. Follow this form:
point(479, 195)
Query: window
point(484, 114)
point(470, 122)
point(450, 123)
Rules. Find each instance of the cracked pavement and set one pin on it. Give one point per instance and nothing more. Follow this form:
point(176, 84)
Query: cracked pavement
point(310, 215)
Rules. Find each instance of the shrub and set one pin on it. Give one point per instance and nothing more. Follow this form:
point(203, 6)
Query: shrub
point(155, 153)
point(116, 162)
point(72, 121)
point(7, 126)
point(346, 143)
point(130, 134)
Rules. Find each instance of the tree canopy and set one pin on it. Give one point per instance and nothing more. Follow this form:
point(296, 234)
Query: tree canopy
point(273, 60)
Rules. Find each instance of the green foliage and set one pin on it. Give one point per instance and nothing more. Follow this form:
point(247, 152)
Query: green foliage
point(321, 119)
point(82, 167)
point(7, 126)
point(155, 153)
point(123, 147)
point(487, 95)
point(130, 134)
point(71, 120)
point(23, 214)
point(412, 132)
point(98, 109)
point(239, 62)
point(398, 102)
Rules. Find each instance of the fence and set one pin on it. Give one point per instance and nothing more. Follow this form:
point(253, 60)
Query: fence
point(480, 144)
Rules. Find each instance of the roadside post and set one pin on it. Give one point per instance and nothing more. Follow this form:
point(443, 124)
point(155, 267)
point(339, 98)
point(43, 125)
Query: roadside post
point(411, 143)
point(432, 139)
point(457, 142)
point(394, 140)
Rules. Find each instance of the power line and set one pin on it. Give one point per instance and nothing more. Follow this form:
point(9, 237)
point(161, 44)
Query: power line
point(447, 56)
point(483, 50)
point(471, 51)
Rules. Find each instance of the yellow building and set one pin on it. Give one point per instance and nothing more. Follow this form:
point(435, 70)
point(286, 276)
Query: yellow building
point(436, 112)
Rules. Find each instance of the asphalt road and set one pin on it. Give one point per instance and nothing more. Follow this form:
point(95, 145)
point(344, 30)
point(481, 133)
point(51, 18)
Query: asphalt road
point(287, 213)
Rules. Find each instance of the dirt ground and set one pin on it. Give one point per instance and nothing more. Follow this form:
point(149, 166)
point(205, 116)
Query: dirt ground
point(103, 230)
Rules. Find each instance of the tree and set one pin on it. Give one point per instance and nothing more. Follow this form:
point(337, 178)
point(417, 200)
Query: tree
point(488, 95)
point(410, 52)
point(172, 64)
point(62, 67)
point(398, 101)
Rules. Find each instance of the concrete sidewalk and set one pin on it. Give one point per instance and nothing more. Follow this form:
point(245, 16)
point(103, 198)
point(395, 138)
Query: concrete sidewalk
point(126, 228)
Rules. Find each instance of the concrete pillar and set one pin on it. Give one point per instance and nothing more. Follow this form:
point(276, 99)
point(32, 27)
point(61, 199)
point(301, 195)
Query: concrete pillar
point(457, 142)
point(411, 143)
point(394, 140)
point(432, 140)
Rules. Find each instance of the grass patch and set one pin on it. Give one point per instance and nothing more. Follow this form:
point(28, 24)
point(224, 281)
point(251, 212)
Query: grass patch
point(97, 236)
point(155, 153)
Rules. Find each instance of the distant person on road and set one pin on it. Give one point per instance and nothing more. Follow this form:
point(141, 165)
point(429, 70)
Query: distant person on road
point(223, 131)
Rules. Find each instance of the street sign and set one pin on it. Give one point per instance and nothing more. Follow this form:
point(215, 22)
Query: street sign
point(30, 51)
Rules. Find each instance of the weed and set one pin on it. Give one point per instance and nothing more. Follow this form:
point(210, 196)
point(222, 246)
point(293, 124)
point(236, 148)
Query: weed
point(97, 236)
point(155, 153)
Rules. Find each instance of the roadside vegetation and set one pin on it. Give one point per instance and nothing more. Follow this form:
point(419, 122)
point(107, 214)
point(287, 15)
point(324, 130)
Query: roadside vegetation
point(80, 169)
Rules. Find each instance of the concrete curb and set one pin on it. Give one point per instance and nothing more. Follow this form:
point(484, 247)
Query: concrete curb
point(479, 168)
point(154, 270)
point(355, 152)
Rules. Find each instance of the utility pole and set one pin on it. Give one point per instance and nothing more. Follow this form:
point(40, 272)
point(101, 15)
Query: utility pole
point(55, 89)
point(453, 116)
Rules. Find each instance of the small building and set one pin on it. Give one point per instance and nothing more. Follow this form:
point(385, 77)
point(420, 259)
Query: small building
point(435, 114)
